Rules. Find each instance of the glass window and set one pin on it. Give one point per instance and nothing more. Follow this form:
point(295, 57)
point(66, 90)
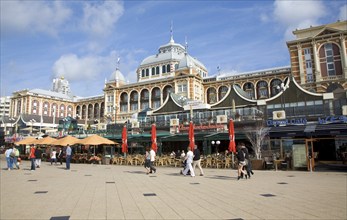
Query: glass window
point(309, 103)
point(301, 103)
point(163, 69)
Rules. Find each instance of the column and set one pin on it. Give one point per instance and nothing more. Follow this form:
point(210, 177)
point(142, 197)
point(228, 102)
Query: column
point(343, 56)
point(301, 67)
point(316, 62)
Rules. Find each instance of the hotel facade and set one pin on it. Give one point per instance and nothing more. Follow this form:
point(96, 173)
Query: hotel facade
point(302, 106)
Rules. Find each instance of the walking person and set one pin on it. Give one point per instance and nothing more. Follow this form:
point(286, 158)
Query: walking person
point(241, 162)
point(54, 157)
point(60, 156)
point(68, 156)
point(15, 153)
point(38, 157)
point(189, 160)
point(247, 160)
point(197, 160)
point(9, 159)
point(147, 160)
point(32, 156)
point(152, 158)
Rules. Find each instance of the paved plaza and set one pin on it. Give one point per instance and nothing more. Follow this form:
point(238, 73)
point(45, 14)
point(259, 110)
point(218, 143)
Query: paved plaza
point(125, 192)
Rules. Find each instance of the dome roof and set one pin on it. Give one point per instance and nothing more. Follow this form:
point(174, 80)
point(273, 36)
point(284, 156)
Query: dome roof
point(117, 75)
point(167, 52)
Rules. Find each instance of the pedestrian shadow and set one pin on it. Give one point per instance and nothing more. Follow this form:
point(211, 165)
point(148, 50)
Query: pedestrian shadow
point(60, 218)
point(221, 177)
point(135, 172)
point(173, 174)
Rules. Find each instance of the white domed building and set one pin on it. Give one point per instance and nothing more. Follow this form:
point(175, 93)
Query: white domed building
point(171, 70)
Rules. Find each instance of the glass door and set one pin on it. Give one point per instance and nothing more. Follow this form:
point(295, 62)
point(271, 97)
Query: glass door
point(309, 154)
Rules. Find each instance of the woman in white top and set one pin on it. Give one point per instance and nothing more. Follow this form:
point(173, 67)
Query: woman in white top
point(54, 157)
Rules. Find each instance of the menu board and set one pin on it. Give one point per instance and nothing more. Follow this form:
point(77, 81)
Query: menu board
point(299, 155)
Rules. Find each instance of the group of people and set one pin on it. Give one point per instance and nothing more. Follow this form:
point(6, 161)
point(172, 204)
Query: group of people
point(12, 158)
point(190, 161)
point(35, 156)
point(244, 168)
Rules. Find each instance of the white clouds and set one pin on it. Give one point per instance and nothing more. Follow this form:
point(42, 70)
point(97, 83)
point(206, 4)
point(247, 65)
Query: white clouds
point(99, 19)
point(343, 13)
point(76, 68)
point(298, 14)
point(33, 16)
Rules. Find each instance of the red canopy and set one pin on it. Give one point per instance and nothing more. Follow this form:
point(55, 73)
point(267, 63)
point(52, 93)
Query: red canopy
point(191, 136)
point(232, 147)
point(124, 140)
point(154, 138)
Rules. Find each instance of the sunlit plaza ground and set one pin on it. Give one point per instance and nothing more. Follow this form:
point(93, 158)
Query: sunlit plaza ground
point(125, 192)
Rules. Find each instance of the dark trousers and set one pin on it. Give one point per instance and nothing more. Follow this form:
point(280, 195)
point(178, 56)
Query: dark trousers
point(151, 166)
point(68, 158)
point(32, 163)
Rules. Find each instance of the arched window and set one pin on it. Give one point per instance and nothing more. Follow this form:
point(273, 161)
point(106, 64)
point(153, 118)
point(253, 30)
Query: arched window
point(155, 98)
point(78, 112)
point(153, 71)
point(274, 83)
point(168, 68)
point(143, 73)
point(147, 72)
point(84, 112)
point(35, 107)
point(163, 69)
point(144, 99)
point(157, 70)
point(54, 110)
point(96, 110)
point(262, 90)
point(330, 60)
point(222, 91)
point(45, 109)
point(249, 89)
point(211, 95)
point(167, 90)
point(62, 110)
point(134, 100)
point(69, 110)
point(90, 111)
point(124, 102)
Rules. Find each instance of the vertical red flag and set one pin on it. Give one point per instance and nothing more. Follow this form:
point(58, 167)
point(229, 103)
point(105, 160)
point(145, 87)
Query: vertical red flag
point(191, 136)
point(124, 140)
point(232, 147)
point(154, 138)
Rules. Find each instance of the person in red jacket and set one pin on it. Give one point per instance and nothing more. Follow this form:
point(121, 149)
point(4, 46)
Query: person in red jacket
point(32, 156)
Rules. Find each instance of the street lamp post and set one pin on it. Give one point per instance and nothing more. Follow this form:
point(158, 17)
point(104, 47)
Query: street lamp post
point(215, 143)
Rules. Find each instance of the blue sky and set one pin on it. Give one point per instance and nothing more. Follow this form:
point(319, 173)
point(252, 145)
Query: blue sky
point(81, 40)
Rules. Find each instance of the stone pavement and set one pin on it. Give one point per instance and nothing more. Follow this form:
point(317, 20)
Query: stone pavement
point(126, 192)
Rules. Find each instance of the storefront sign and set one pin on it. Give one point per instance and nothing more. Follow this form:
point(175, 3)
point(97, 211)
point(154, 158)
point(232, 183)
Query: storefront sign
point(294, 121)
point(332, 119)
point(202, 127)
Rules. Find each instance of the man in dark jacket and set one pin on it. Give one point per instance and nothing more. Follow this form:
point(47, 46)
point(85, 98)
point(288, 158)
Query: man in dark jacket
point(38, 156)
point(197, 160)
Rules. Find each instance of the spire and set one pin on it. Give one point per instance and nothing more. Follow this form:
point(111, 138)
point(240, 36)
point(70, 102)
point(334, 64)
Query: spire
point(186, 46)
point(118, 61)
point(171, 33)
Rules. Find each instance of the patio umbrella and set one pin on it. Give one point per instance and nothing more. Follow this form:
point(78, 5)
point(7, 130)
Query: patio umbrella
point(154, 138)
point(28, 140)
point(66, 140)
point(191, 136)
point(124, 140)
point(45, 141)
point(96, 140)
point(232, 147)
